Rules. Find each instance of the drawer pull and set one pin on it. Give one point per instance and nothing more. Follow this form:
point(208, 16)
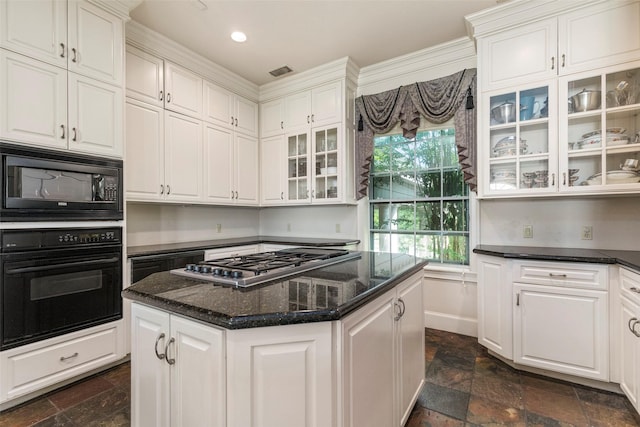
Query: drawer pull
point(64, 359)
point(561, 276)
point(634, 289)
point(159, 355)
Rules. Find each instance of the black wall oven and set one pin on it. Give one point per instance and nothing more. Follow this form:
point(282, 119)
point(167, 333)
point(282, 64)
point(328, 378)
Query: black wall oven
point(55, 281)
point(46, 185)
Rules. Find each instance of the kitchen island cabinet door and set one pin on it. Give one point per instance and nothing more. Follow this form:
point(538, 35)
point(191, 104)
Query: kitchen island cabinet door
point(197, 375)
point(280, 376)
point(150, 376)
point(369, 365)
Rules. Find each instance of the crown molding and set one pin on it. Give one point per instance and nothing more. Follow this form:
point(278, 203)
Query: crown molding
point(340, 69)
point(120, 8)
point(426, 64)
point(156, 44)
point(518, 12)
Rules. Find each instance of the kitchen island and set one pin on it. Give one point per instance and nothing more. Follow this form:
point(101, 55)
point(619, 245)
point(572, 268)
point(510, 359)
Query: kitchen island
point(341, 345)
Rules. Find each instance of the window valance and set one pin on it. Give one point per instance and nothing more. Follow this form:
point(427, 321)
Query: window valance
point(437, 101)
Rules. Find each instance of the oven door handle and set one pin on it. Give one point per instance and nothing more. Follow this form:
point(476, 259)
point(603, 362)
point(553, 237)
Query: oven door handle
point(64, 265)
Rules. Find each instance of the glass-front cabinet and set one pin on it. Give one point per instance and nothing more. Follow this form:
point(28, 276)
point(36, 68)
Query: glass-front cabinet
point(600, 131)
point(314, 166)
point(522, 155)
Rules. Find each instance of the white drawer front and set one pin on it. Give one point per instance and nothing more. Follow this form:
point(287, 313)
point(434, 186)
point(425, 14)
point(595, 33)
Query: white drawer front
point(630, 285)
point(29, 368)
point(573, 275)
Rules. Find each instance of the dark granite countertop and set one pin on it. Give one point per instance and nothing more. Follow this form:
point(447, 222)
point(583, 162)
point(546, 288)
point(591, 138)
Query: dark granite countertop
point(327, 293)
point(630, 259)
point(147, 250)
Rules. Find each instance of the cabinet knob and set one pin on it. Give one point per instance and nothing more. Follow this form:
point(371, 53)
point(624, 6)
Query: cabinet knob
point(159, 355)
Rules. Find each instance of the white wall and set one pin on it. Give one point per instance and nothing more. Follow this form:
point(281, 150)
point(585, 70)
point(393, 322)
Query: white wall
point(558, 222)
point(150, 224)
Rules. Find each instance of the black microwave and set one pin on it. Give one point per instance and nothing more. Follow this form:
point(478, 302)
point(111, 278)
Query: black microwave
point(47, 185)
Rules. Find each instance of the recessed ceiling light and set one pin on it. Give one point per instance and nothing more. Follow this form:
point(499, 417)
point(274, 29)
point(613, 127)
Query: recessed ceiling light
point(238, 36)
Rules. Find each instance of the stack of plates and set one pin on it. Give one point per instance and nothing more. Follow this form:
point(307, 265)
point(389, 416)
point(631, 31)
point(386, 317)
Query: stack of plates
point(614, 136)
point(507, 147)
point(614, 177)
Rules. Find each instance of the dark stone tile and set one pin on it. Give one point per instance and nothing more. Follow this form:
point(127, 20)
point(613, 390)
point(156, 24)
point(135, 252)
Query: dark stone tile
point(487, 365)
point(28, 413)
point(422, 417)
point(600, 397)
point(499, 390)
point(121, 418)
point(456, 358)
point(487, 412)
point(442, 374)
point(119, 375)
point(79, 392)
point(444, 400)
point(99, 407)
point(547, 385)
point(58, 420)
point(535, 420)
point(433, 337)
point(561, 407)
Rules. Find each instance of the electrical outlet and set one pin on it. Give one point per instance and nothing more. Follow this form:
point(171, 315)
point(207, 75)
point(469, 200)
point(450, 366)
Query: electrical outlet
point(337, 228)
point(587, 232)
point(219, 228)
point(527, 231)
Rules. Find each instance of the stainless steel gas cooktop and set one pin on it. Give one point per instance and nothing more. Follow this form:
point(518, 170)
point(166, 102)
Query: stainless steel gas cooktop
point(249, 270)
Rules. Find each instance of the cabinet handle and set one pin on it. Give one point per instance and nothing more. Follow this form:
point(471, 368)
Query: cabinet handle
point(398, 310)
point(282, 195)
point(168, 97)
point(553, 62)
point(161, 96)
point(231, 121)
point(517, 299)
point(563, 57)
point(161, 189)
point(168, 189)
point(64, 359)
point(313, 194)
point(61, 50)
point(236, 122)
point(306, 196)
point(553, 179)
point(75, 134)
point(633, 327)
point(403, 309)
point(169, 360)
point(634, 289)
point(159, 355)
point(561, 276)
point(564, 178)
point(313, 118)
point(308, 119)
point(281, 125)
point(236, 195)
point(63, 136)
point(75, 55)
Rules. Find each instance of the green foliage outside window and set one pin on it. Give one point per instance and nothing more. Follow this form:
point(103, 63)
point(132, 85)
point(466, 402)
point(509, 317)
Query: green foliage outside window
point(419, 202)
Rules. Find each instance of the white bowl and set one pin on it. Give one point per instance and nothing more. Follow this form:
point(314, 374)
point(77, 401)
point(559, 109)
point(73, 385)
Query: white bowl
point(332, 170)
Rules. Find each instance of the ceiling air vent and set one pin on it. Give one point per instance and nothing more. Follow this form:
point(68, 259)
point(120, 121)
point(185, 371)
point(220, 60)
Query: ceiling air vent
point(280, 71)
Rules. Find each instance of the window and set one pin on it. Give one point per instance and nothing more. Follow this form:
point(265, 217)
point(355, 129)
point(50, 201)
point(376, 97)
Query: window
point(419, 202)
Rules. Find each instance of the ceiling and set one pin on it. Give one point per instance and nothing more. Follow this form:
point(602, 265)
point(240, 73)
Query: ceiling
point(303, 34)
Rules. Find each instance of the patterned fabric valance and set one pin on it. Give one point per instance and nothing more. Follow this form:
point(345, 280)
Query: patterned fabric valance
point(437, 101)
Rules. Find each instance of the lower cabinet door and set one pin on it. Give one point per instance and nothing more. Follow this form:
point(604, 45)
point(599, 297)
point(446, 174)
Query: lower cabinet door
point(369, 365)
point(563, 330)
point(150, 384)
point(630, 354)
point(197, 374)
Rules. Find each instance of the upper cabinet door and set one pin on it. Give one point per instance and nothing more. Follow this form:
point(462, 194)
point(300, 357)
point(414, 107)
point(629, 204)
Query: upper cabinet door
point(599, 36)
point(145, 77)
point(524, 54)
point(183, 91)
point(246, 116)
point(96, 42)
point(272, 118)
point(218, 105)
point(35, 28)
point(298, 110)
point(326, 107)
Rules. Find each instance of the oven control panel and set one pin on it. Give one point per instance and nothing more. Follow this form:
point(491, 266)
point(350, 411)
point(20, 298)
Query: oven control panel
point(14, 240)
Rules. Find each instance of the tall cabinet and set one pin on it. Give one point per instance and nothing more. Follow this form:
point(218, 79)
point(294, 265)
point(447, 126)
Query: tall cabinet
point(559, 98)
point(61, 76)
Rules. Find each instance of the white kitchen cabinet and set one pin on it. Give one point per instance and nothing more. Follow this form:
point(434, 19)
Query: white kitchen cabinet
point(231, 166)
point(273, 170)
point(295, 360)
point(47, 106)
point(561, 318)
point(630, 336)
point(495, 310)
point(316, 107)
point(587, 38)
point(272, 118)
point(225, 108)
point(386, 337)
point(183, 90)
point(183, 158)
point(144, 165)
point(230, 251)
point(75, 35)
point(145, 77)
point(177, 371)
point(35, 366)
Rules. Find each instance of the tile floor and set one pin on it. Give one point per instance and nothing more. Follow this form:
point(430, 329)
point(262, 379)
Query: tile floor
point(465, 387)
